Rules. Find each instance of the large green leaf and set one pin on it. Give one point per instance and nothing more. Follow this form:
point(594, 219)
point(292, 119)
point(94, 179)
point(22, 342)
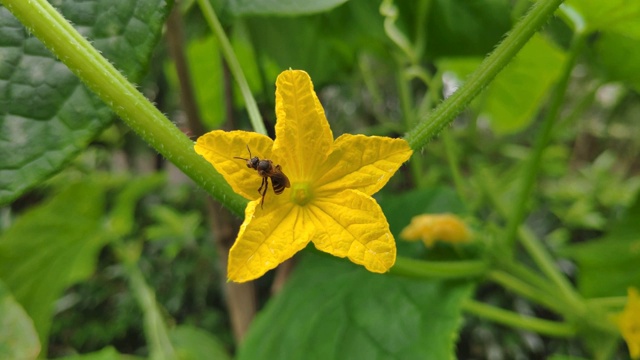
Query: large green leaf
point(46, 115)
point(512, 99)
point(617, 15)
point(618, 54)
point(617, 46)
point(51, 247)
point(18, 337)
point(332, 309)
point(609, 265)
point(281, 7)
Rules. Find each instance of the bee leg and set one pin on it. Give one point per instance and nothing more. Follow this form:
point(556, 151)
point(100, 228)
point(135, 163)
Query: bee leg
point(265, 185)
point(262, 184)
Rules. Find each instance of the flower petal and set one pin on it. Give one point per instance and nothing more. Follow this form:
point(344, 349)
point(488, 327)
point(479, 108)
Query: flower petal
point(267, 237)
point(303, 137)
point(364, 163)
point(220, 147)
point(352, 224)
point(629, 323)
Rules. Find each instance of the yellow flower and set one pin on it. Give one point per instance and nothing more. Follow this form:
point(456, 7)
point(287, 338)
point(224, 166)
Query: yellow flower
point(331, 182)
point(628, 322)
point(432, 227)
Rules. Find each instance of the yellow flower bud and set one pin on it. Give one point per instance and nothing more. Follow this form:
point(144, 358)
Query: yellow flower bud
point(432, 227)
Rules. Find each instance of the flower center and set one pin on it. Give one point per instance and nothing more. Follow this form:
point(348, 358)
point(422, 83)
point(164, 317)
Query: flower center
point(301, 194)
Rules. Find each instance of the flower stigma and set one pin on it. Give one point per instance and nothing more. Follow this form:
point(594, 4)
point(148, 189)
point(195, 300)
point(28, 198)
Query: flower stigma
point(301, 193)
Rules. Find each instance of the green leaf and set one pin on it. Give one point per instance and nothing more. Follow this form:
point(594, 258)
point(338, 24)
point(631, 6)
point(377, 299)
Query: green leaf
point(107, 353)
point(609, 265)
point(205, 70)
point(618, 55)
point(175, 228)
point(322, 44)
point(281, 7)
point(331, 309)
point(51, 247)
point(18, 337)
point(464, 28)
point(617, 15)
point(617, 45)
point(155, 327)
point(194, 344)
point(46, 115)
point(122, 217)
point(511, 101)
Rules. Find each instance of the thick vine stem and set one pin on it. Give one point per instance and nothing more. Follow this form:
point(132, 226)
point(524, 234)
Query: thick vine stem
point(121, 96)
point(490, 67)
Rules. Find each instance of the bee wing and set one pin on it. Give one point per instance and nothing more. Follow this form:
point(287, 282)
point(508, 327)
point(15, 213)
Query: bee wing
point(279, 180)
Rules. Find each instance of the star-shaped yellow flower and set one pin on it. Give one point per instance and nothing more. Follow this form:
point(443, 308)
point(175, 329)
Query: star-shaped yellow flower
point(329, 201)
point(628, 322)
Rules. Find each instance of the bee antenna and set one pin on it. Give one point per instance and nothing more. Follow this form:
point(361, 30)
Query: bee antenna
point(249, 151)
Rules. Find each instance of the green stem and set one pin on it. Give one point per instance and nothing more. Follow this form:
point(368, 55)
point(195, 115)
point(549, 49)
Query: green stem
point(526, 290)
point(234, 66)
point(617, 302)
point(440, 269)
point(452, 160)
point(154, 325)
point(122, 97)
point(526, 274)
point(490, 67)
point(537, 252)
point(404, 94)
point(548, 267)
point(544, 327)
point(156, 331)
point(533, 165)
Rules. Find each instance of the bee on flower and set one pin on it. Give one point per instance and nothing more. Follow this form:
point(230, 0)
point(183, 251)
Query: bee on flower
point(326, 198)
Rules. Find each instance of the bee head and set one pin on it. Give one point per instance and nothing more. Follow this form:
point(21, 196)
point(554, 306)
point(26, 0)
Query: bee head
point(253, 162)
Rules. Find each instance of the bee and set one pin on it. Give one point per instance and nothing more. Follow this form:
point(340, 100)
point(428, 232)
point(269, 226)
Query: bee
point(267, 171)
